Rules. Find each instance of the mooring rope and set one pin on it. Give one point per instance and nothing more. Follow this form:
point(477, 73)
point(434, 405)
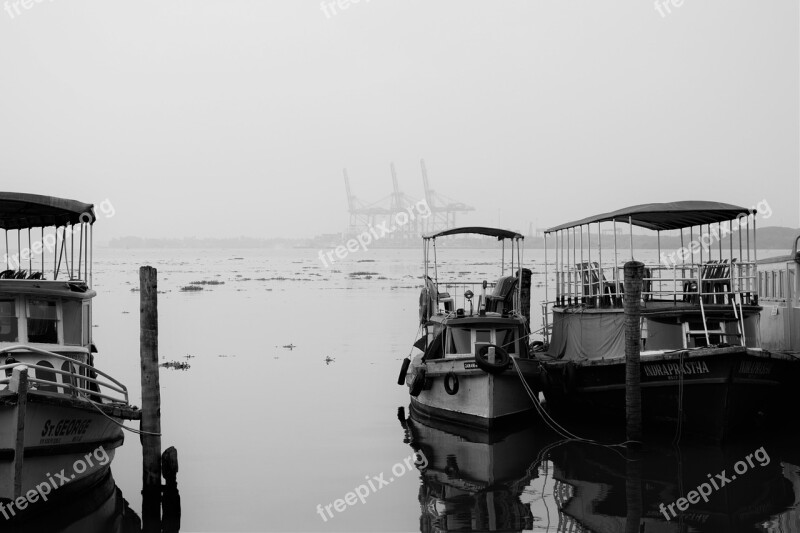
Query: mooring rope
point(120, 424)
point(555, 426)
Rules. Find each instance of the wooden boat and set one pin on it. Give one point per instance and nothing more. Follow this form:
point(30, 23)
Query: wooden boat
point(60, 416)
point(472, 355)
point(703, 369)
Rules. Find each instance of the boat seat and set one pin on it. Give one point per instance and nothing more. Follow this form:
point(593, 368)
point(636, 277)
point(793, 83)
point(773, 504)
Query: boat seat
point(502, 296)
point(714, 277)
point(595, 283)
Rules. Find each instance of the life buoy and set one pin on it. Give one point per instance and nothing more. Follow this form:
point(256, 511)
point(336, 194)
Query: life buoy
point(535, 345)
point(418, 382)
point(403, 371)
point(451, 389)
point(502, 359)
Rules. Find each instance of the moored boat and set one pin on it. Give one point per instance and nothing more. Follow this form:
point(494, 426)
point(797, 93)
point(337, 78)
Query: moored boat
point(473, 353)
point(779, 291)
point(60, 416)
point(703, 369)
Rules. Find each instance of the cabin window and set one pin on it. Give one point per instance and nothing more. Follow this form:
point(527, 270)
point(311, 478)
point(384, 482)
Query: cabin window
point(72, 322)
point(8, 321)
point(781, 294)
point(507, 339)
point(460, 341)
point(483, 336)
point(42, 321)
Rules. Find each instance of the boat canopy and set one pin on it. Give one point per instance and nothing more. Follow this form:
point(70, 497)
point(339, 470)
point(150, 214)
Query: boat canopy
point(666, 216)
point(476, 230)
point(22, 211)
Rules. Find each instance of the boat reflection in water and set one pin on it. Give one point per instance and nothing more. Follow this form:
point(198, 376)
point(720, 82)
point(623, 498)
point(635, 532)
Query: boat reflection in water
point(96, 506)
point(529, 480)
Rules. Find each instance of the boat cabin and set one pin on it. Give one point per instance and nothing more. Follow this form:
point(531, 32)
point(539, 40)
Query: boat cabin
point(462, 317)
point(45, 292)
point(701, 290)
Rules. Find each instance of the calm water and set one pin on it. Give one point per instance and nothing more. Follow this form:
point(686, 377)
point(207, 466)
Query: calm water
point(266, 434)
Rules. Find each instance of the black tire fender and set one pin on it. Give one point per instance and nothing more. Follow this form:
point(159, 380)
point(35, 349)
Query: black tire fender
point(501, 362)
point(418, 383)
point(451, 389)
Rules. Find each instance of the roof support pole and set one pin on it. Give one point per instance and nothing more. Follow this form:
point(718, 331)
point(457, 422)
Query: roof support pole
point(630, 232)
point(600, 287)
point(616, 268)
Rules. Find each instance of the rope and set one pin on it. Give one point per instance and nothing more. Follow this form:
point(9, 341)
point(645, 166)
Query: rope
point(555, 426)
point(120, 424)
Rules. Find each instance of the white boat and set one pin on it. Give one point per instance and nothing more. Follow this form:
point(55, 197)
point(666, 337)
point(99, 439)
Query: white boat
point(60, 417)
point(474, 355)
point(779, 291)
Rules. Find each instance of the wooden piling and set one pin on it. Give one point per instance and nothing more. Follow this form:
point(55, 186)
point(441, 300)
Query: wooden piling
point(634, 271)
point(151, 393)
point(19, 385)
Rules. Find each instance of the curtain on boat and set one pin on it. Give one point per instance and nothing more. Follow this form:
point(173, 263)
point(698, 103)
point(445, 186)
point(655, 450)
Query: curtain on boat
point(582, 336)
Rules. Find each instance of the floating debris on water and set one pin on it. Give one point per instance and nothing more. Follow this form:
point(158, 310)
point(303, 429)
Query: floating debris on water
point(175, 365)
point(208, 282)
point(223, 355)
point(189, 288)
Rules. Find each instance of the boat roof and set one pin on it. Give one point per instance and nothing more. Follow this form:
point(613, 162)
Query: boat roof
point(21, 210)
point(666, 216)
point(476, 230)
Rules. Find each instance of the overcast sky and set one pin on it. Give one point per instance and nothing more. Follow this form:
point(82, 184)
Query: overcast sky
point(226, 118)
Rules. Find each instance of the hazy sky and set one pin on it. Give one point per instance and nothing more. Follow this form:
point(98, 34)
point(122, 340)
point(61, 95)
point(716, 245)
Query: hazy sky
point(227, 118)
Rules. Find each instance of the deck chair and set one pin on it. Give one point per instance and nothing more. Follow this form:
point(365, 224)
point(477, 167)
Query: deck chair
point(502, 296)
point(595, 284)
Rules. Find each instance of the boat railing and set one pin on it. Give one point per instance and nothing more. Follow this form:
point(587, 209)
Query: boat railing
point(455, 294)
point(72, 383)
point(715, 282)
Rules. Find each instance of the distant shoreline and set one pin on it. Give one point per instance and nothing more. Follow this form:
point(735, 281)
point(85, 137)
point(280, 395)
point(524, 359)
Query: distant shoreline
point(769, 238)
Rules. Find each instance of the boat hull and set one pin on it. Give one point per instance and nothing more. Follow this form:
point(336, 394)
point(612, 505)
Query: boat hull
point(719, 391)
point(60, 437)
point(483, 400)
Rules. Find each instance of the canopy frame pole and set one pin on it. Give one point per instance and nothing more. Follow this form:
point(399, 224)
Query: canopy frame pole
point(630, 232)
point(600, 286)
point(616, 268)
point(546, 296)
point(583, 299)
point(30, 253)
point(589, 261)
point(565, 267)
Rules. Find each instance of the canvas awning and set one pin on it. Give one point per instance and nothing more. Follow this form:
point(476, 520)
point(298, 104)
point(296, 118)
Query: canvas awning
point(20, 211)
point(666, 216)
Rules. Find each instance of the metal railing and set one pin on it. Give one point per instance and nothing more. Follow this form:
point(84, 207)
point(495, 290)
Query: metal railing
point(76, 386)
point(712, 281)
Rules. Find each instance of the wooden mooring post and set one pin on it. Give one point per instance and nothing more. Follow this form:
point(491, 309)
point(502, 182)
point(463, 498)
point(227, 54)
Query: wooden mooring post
point(634, 271)
point(19, 385)
point(154, 494)
point(151, 397)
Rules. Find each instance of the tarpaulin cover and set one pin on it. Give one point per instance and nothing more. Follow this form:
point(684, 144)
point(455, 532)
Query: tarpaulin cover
point(582, 336)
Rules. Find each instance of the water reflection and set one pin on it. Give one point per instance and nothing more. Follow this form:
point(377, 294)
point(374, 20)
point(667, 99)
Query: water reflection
point(529, 480)
point(94, 506)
